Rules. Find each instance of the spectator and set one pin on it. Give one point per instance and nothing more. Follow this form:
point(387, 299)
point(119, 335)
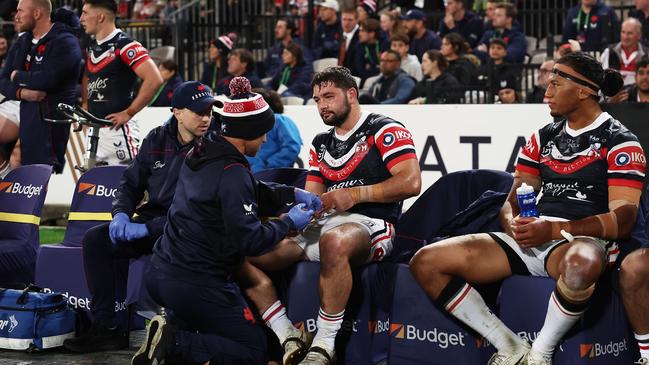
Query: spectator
point(458, 19)
point(391, 24)
point(348, 46)
point(111, 82)
point(504, 15)
point(421, 39)
point(537, 95)
point(496, 68)
point(215, 68)
point(454, 49)
point(169, 8)
point(47, 63)
point(438, 84)
point(7, 9)
point(171, 78)
point(623, 55)
point(508, 91)
point(366, 9)
point(368, 50)
point(394, 86)
point(4, 49)
point(295, 78)
point(240, 63)
point(284, 34)
point(153, 173)
point(283, 142)
point(145, 9)
point(409, 62)
point(489, 15)
point(641, 12)
point(638, 93)
point(593, 24)
point(326, 39)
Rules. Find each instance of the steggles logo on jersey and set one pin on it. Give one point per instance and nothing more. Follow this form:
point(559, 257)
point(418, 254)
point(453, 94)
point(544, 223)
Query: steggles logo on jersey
point(96, 86)
point(16, 188)
point(96, 190)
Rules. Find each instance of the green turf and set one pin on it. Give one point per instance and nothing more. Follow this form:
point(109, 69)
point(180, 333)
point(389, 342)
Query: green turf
point(51, 235)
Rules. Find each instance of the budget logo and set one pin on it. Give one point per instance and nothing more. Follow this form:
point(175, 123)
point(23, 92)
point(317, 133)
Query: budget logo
point(435, 336)
point(96, 190)
point(17, 188)
point(378, 326)
point(591, 350)
point(398, 328)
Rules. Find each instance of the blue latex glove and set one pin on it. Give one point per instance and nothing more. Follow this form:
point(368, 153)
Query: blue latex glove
point(116, 227)
point(121, 229)
point(135, 231)
point(300, 216)
point(311, 200)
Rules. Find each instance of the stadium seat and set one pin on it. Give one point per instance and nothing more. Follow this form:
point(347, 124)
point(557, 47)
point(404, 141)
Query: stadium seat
point(292, 100)
point(430, 214)
point(323, 63)
point(161, 54)
point(311, 101)
point(59, 267)
point(543, 42)
point(363, 338)
point(421, 334)
point(532, 43)
point(601, 337)
point(538, 58)
point(368, 83)
point(358, 81)
point(266, 81)
point(22, 195)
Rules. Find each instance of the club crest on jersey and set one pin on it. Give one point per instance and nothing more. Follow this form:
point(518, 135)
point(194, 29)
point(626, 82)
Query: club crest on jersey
point(388, 139)
point(622, 159)
point(130, 53)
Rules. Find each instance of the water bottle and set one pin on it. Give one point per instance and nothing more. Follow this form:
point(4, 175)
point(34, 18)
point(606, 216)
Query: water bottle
point(527, 201)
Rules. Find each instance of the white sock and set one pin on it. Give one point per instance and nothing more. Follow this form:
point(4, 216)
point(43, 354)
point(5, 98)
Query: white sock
point(328, 326)
point(275, 318)
point(469, 307)
point(643, 344)
point(558, 321)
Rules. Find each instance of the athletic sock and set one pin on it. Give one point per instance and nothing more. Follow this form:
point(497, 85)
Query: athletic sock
point(561, 316)
point(463, 302)
point(276, 318)
point(328, 327)
point(643, 344)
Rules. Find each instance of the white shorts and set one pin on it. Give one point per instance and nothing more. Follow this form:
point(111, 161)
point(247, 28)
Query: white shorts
point(532, 261)
point(11, 110)
point(381, 234)
point(119, 146)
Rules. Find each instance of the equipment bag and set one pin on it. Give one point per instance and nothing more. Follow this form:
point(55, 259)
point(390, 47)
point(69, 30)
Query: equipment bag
point(33, 320)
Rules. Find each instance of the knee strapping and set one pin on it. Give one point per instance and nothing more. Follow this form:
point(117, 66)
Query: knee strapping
point(574, 296)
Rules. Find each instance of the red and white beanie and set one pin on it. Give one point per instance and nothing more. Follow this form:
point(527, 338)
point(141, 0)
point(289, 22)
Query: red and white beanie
point(244, 114)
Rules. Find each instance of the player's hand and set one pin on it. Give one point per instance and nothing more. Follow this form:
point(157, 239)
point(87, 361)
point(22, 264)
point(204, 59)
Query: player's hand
point(118, 119)
point(339, 200)
point(32, 95)
point(531, 231)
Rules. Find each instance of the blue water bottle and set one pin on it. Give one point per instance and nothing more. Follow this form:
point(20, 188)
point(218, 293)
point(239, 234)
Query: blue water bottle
point(527, 201)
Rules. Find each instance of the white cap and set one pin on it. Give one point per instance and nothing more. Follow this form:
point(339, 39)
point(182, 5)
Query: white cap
point(331, 4)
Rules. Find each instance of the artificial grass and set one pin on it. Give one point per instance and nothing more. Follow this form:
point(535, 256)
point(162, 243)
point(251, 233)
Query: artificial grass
point(49, 235)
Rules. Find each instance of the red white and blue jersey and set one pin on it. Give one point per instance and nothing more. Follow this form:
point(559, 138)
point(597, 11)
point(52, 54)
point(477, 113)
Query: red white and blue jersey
point(578, 166)
point(364, 156)
point(110, 67)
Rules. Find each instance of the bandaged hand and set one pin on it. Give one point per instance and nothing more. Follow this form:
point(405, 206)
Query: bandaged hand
point(339, 200)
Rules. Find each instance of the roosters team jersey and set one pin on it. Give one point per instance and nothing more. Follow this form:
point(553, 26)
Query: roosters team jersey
point(577, 166)
point(364, 156)
point(110, 69)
